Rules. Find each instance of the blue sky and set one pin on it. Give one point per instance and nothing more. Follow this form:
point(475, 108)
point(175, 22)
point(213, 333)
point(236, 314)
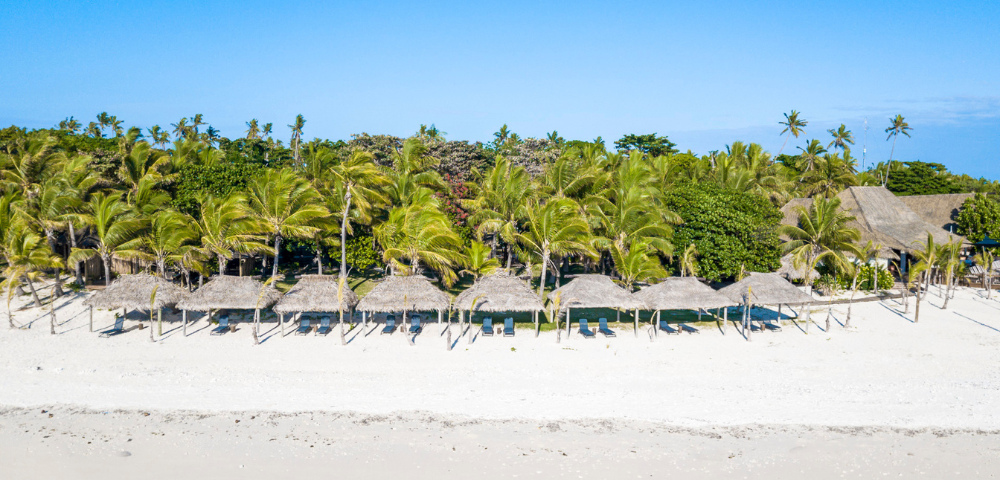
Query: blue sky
point(703, 73)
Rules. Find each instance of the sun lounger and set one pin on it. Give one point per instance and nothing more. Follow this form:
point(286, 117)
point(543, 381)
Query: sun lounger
point(415, 325)
point(390, 325)
point(305, 326)
point(223, 325)
point(324, 326)
point(667, 328)
point(688, 328)
point(774, 327)
point(603, 328)
point(508, 327)
point(754, 327)
point(488, 327)
point(118, 328)
point(585, 330)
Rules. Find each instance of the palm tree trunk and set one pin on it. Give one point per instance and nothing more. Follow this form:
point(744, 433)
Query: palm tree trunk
point(343, 234)
point(779, 150)
point(888, 165)
point(277, 254)
point(947, 291)
point(545, 266)
point(920, 294)
point(222, 265)
point(76, 265)
point(319, 258)
point(510, 255)
point(106, 259)
point(850, 304)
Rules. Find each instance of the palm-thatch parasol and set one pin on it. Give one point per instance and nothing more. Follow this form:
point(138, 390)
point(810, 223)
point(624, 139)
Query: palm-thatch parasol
point(789, 272)
point(593, 291)
point(500, 292)
point(316, 293)
point(682, 293)
point(133, 292)
point(230, 293)
point(399, 293)
point(766, 289)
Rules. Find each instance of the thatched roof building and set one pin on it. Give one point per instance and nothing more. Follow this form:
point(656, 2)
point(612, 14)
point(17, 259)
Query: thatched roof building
point(789, 272)
point(413, 293)
point(133, 292)
point(594, 291)
point(316, 293)
point(681, 293)
point(881, 217)
point(230, 293)
point(766, 289)
point(938, 210)
point(499, 293)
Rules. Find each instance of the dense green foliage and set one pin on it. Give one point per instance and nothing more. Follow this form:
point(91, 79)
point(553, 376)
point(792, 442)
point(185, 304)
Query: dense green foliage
point(649, 144)
point(978, 218)
point(921, 178)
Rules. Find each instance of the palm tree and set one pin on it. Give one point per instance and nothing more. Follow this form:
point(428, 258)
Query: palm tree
point(159, 136)
point(951, 257)
point(227, 229)
point(286, 206)
point(928, 254)
point(896, 127)
point(688, 261)
point(28, 163)
point(168, 234)
point(253, 131)
point(985, 260)
point(419, 235)
point(360, 180)
point(47, 212)
point(196, 122)
point(94, 130)
point(841, 138)
point(498, 198)
point(866, 255)
point(793, 126)
point(830, 175)
point(71, 125)
point(114, 224)
point(553, 228)
point(144, 163)
point(822, 234)
point(79, 180)
point(296, 141)
point(814, 149)
point(412, 173)
point(637, 264)
point(27, 256)
point(181, 128)
point(477, 260)
point(104, 121)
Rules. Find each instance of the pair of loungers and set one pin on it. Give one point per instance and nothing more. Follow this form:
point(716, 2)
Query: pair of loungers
point(682, 327)
point(390, 325)
point(508, 327)
point(305, 326)
point(602, 328)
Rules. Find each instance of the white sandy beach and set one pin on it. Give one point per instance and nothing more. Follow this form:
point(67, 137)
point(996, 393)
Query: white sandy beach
point(840, 403)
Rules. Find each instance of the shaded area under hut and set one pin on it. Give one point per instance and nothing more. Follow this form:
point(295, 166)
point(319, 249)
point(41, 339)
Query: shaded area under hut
point(226, 292)
point(764, 289)
point(594, 291)
point(404, 294)
point(499, 293)
point(316, 294)
point(134, 292)
point(682, 293)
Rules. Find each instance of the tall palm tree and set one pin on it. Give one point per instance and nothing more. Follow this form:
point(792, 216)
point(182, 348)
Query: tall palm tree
point(553, 228)
point(927, 254)
point(27, 256)
point(361, 182)
point(159, 136)
point(841, 138)
point(168, 233)
point(47, 212)
point(412, 173)
point(253, 131)
point(28, 163)
point(497, 201)
point(985, 260)
point(143, 163)
point(80, 180)
point(793, 126)
point(951, 257)
point(896, 127)
point(812, 153)
point(227, 229)
point(196, 121)
point(286, 206)
point(296, 140)
point(636, 264)
point(822, 234)
point(71, 125)
point(419, 235)
point(114, 225)
point(104, 121)
point(181, 128)
point(829, 176)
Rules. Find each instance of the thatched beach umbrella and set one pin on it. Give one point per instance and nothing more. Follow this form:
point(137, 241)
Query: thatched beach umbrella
point(594, 291)
point(316, 293)
point(398, 293)
point(230, 293)
point(682, 293)
point(766, 289)
point(133, 292)
point(500, 292)
point(790, 272)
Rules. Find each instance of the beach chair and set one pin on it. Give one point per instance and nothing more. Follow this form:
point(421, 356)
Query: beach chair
point(664, 326)
point(117, 329)
point(508, 327)
point(390, 325)
point(415, 327)
point(304, 327)
point(585, 330)
point(754, 327)
point(688, 328)
point(324, 326)
point(223, 327)
point(603, 328)
point(774, 327)
point(488, 327)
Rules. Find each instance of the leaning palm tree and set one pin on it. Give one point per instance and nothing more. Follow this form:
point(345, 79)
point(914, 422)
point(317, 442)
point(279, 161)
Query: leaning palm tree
point(47, 212)
point(554, 228)
point(227, 230)
point(27, 257)
point(866, 254)
point(28, 163)
point(285, 206)
point(168, 233)
point(985, 260)
point(497, 200)
point(951, 257)
point(688, 261)
point(841, 138)
point(296, 140)
point(360, 181)
point(793, 126)
point(896, 127)
point(418, 236)
point(928, 254)
point(114, 225)
point(822, 234)
point(810, 155)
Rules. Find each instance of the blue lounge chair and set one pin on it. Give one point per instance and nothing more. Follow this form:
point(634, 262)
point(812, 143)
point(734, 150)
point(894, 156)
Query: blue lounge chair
point(488, 327)
point(508, 327)
point(324, 326)
point(223, 327)
point(667, 328)
point(305, 326)
point(415, 327)
point(117, 329)
point(688, 328)
point(390, 325)
point(585, 330)
point(603, 328)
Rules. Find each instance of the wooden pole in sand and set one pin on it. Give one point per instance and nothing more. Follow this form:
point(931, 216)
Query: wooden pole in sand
point(184, 318)
point(159, 321)
point(281, 322)
point(567, 323)
point(637, 323)
point(91, 319)
point(535, 315)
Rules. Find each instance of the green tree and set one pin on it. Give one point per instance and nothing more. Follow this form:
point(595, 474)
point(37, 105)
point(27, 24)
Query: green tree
point(927, 254)
point(71, 125)
point(286, 206)
point(978, 218)
point(27, 257)
point(417, 236)
point(497, 200)
point(637, 264)
point(649, 144)
point(793, 127)
point(897, 126)
point(227, 229)
point(477, 261)
point(114, 225)
point(168, 234)
point(296, 141)
point(823, 235)
point(358, 193)
point(553, 228)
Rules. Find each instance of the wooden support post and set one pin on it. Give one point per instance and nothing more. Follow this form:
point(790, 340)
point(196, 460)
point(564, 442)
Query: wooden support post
point(535, 313)
point(568, 321)
point(725, 319)
point(184, 319)
point(779, 312)
point(656, 327)
point(159, 321)
point(91, 319)
point(637, 323)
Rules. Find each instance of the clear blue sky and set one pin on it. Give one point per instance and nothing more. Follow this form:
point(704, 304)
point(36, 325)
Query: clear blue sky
point(703, 73)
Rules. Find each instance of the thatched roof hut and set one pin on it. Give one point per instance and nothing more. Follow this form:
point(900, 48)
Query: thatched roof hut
point(230, 293)
point(396, 293)
point(500, 293)
point(938, 210)
point(880, 217)
point(133, 292)
point(766, 289)
point(594, 291)
point(789, 271)
point(681, 293)
point(316, 293)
